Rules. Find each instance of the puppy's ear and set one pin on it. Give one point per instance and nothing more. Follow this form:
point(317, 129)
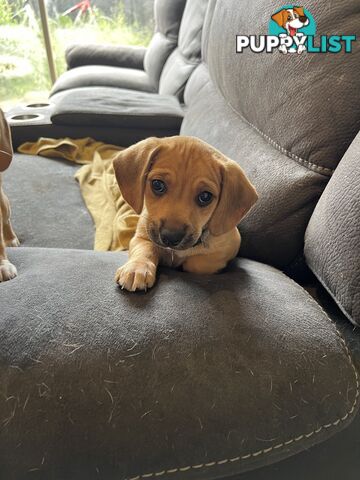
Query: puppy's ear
point(280, 17)
point(131, 167)
point(300, 11)
point(237, 196)
point(6, 150)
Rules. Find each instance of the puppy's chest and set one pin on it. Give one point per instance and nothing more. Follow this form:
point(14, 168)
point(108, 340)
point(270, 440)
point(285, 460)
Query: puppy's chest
point(175, 258)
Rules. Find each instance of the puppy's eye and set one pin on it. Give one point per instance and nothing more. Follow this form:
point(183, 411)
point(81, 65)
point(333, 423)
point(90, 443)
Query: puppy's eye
point(204, 198)
point(289, 17)
point(158, 187)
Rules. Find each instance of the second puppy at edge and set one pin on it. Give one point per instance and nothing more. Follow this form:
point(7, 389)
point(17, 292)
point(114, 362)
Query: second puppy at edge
point(190, 198)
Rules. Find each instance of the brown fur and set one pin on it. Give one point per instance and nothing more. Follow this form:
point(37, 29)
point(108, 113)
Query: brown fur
point(188, 166)
point(7, 234)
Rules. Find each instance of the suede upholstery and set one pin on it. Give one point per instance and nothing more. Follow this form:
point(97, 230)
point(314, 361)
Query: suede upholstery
point(338, 457)
point(114, 107)
point(107, 96)
point(114, 55)
point(287, 147)
point(173, 54)
point(332, 241)
point(203, 360)
point(103, 76)
point(42, 125)
point(168, 16)
point(240, 375)
point(187, 55)
point(166, 382)
point(123, 66)
point(47, 208)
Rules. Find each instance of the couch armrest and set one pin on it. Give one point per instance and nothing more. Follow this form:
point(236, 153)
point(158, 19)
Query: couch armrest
point(332, 240)
point(115, 55)
point(119, 108)
point(204, 376)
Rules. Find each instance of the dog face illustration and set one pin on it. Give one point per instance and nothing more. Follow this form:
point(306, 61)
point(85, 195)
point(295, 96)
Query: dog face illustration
point(291, 19)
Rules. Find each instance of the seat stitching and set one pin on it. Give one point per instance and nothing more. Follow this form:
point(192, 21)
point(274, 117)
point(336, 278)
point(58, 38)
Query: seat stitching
point(287, 442)
point(306, 163)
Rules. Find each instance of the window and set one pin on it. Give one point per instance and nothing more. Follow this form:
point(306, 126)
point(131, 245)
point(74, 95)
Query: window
point(24, 72)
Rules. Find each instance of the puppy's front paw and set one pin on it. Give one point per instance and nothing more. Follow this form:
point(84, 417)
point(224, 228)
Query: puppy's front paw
point(136, 276)
point(7, 271)
point(14, 242)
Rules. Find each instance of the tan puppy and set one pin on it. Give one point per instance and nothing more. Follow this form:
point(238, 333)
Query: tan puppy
point(7, 235)
point(190, 197)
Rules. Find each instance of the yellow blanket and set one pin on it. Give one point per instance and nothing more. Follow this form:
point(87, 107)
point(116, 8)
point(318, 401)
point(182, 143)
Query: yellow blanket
point(115, 221)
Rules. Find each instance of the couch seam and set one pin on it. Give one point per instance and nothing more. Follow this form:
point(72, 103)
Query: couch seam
point(284, 443)
point(172, 38)
point(306, 163)
point(348, 313)
point(186, 60)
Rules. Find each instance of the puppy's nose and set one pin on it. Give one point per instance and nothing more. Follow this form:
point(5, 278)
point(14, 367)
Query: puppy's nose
point(171, 238)
point(303, 18)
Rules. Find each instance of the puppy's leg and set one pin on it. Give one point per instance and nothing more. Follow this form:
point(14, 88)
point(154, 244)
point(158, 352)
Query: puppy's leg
point(205, 264)
point(7, 269)
point(139, 272)
point(10, 237)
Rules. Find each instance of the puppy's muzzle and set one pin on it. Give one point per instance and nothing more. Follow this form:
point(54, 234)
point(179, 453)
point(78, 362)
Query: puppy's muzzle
point(172, 238)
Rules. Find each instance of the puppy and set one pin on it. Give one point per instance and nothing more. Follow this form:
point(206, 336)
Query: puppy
point(190, 198)
point(7, 235)
point(291, 19)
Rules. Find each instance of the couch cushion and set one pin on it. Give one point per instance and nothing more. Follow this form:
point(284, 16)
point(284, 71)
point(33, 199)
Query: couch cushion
point(114, 107)
point(187, 55)
point(127, 56)
point(103, 76)
point(168, 15)
point(286, 97)
point(332, 241)
point(339, 456)
point(46, 204)
point(273, 232)
point(201, 377)
point(299, 114)
point(157, 53)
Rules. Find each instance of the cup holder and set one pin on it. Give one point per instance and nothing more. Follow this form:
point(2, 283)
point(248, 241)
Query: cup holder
point(38, 105)
point(24, 118)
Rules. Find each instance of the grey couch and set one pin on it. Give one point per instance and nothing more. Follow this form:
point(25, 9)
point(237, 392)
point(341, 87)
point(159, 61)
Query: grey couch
point(240, 375)
point(164, 67)
point(137, 68)
point(122, 94)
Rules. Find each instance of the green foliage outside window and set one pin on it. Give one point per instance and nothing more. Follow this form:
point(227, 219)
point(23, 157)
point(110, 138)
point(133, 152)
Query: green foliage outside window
point(24, 75)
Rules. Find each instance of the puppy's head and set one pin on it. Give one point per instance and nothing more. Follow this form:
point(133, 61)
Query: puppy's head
point(183, 187)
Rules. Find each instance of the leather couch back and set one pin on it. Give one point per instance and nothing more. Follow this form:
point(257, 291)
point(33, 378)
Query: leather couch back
point(187, 56)
point(287, 119)
point(168, 15)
